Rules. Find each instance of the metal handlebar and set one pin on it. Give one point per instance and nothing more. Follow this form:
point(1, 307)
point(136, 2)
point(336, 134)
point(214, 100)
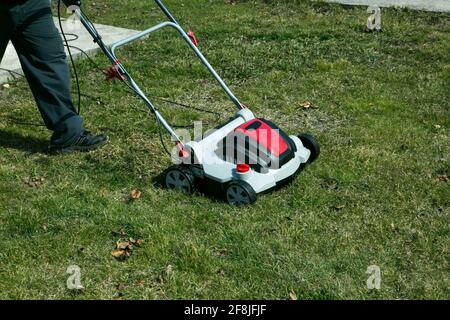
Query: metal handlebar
point(110, 53)
point(166, 11)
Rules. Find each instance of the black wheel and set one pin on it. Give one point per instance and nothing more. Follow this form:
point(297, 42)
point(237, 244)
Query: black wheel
point(240, 193)
point(180, 178)
point(311, 144)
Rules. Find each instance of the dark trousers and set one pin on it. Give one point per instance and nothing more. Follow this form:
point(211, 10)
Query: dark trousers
point(29, 25)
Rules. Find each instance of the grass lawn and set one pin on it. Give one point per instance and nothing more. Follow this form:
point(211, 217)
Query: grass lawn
point(378, 195)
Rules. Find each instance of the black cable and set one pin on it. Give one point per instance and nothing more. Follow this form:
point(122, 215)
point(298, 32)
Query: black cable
point(13, 73)
point(178, 104)
point(71, 57)
point(216, 114)
point(161, 137)
point(75, 37)
point(89, 58)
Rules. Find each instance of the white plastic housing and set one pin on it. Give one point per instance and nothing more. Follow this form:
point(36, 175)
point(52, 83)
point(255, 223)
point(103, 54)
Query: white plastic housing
point(221, 171)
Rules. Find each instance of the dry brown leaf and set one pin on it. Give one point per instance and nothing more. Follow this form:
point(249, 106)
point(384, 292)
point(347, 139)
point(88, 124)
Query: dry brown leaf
point(135, 194)
point(330, 183)
point(117, 253)
point(339, 206)
point(394, 227)
point(121, 287)
point(443, 178)
point(124, 245)
point(306, 105)
point(120, 254)
point(169, 270)
point(222, 252)
point(136, 242)
point(141, 283)
point(33, 182)
point(293, 295)
point(124, 248)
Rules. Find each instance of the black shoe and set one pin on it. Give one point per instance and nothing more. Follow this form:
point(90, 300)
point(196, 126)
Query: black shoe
point(86, 142)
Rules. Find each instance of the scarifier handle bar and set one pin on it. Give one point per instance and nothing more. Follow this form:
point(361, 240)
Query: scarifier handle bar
point(125, 75)
point(193, 46)
point(166, 11)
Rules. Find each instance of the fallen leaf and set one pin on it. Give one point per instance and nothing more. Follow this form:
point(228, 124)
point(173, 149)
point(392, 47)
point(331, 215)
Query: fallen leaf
point(169, 270)
point(124, 245)
point(6, 86)
point(329, 183)
point(293, 295)
point(135, 194)
point(443, 178)
point(121, 287)
point(339, 206)
point(135, 242)
point(33, 182)
point(121, 254)
point(394, 227)
point(222, 252)
point(45, 227)
point(165, 274)
point(306, 105)
point(141, 283)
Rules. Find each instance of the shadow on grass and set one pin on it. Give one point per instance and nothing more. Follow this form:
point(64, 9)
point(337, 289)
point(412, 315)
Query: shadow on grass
point(17, 141)
point(216, 191)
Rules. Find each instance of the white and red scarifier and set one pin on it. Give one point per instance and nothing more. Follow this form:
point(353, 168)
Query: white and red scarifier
point(238, 160)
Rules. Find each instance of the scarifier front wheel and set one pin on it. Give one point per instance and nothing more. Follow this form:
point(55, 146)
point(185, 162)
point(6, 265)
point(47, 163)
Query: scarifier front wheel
point(180, 179)
point(240, 193)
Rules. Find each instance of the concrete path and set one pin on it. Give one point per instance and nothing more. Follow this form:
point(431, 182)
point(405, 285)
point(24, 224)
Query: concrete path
point(429, 5)
point(109, 34)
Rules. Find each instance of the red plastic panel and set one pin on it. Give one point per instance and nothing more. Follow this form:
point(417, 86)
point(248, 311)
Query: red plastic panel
point(265, 135)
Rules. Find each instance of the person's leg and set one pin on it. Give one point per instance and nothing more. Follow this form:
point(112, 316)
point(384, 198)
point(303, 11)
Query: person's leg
point(41, 53)
point(6, 27)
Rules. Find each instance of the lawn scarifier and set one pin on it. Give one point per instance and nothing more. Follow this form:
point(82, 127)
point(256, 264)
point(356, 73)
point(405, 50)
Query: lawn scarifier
point(239, 159)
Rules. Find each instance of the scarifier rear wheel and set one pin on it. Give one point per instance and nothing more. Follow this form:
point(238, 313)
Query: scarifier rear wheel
point(240, 193)
point(310, 143)
point(180, 178)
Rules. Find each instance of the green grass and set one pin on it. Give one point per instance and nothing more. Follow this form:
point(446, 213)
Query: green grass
point(381, 113)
